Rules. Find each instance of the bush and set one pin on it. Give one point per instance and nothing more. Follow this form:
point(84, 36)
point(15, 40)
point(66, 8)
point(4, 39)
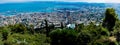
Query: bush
point(18, 28)
point(88, 36)
point(63, 37)
point(105, 32)
point(27, 39)
point(5, 33)
point(104, 41)
point(84, 38)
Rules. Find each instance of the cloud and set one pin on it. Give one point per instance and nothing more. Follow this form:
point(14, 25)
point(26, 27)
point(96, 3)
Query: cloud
point(12, 0)
point(97, 1)
point(112, 1)
point(5, 1)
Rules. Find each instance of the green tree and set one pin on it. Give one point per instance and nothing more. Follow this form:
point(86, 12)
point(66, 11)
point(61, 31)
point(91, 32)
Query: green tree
point(32, 29)
point(63, 37)
point(5, 34)
point(47, 28)
point(79, 27)
point(110, 19)
point(84, 38)
point(90, 34)
point(19, 28)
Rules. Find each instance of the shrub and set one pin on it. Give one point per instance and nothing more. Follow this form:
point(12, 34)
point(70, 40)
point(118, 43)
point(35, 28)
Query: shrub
point(84, 38)
point(27, 39)
point(63, 37)
point(104, 41)
point(18, 28)
point(5, 33)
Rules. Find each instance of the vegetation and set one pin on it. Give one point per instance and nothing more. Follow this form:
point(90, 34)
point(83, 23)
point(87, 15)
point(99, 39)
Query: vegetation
point(107, 33)
point(19, 34)
point(63, 37)
point(110, 19)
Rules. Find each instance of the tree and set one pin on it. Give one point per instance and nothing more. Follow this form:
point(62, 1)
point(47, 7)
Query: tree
point(110, 19)
point(63, 37)
point(18, 28)
point(47, 28)
point(5, 34)
point(32, 29)
point(62, 26)
point(79, 27)
point(84, 38)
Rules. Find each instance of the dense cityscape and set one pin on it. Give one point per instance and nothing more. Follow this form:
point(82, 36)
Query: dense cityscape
point(59, 23)
point(70, 13)
point(79, 15)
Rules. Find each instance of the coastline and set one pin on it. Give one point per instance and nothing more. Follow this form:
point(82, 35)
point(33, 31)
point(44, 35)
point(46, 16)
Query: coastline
point(67, 13)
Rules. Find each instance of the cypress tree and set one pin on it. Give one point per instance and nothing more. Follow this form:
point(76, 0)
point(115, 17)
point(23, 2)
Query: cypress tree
point(47, 28)
point(110, 19)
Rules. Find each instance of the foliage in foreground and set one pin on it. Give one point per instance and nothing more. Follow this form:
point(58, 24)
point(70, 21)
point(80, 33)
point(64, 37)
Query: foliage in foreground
point(19, 34)
point(26, 39)
point(84, 37)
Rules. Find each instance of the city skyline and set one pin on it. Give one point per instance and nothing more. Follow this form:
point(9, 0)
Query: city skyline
point(90, 1)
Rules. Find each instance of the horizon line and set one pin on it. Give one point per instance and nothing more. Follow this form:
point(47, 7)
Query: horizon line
point(61, 1)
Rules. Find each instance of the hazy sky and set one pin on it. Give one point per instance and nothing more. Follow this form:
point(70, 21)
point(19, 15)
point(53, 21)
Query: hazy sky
point(98, 1)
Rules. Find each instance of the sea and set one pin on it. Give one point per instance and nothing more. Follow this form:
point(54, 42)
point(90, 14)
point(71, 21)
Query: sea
point(9, 9)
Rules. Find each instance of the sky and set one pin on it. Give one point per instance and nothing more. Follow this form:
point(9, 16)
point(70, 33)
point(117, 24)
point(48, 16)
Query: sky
point(97, 1)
